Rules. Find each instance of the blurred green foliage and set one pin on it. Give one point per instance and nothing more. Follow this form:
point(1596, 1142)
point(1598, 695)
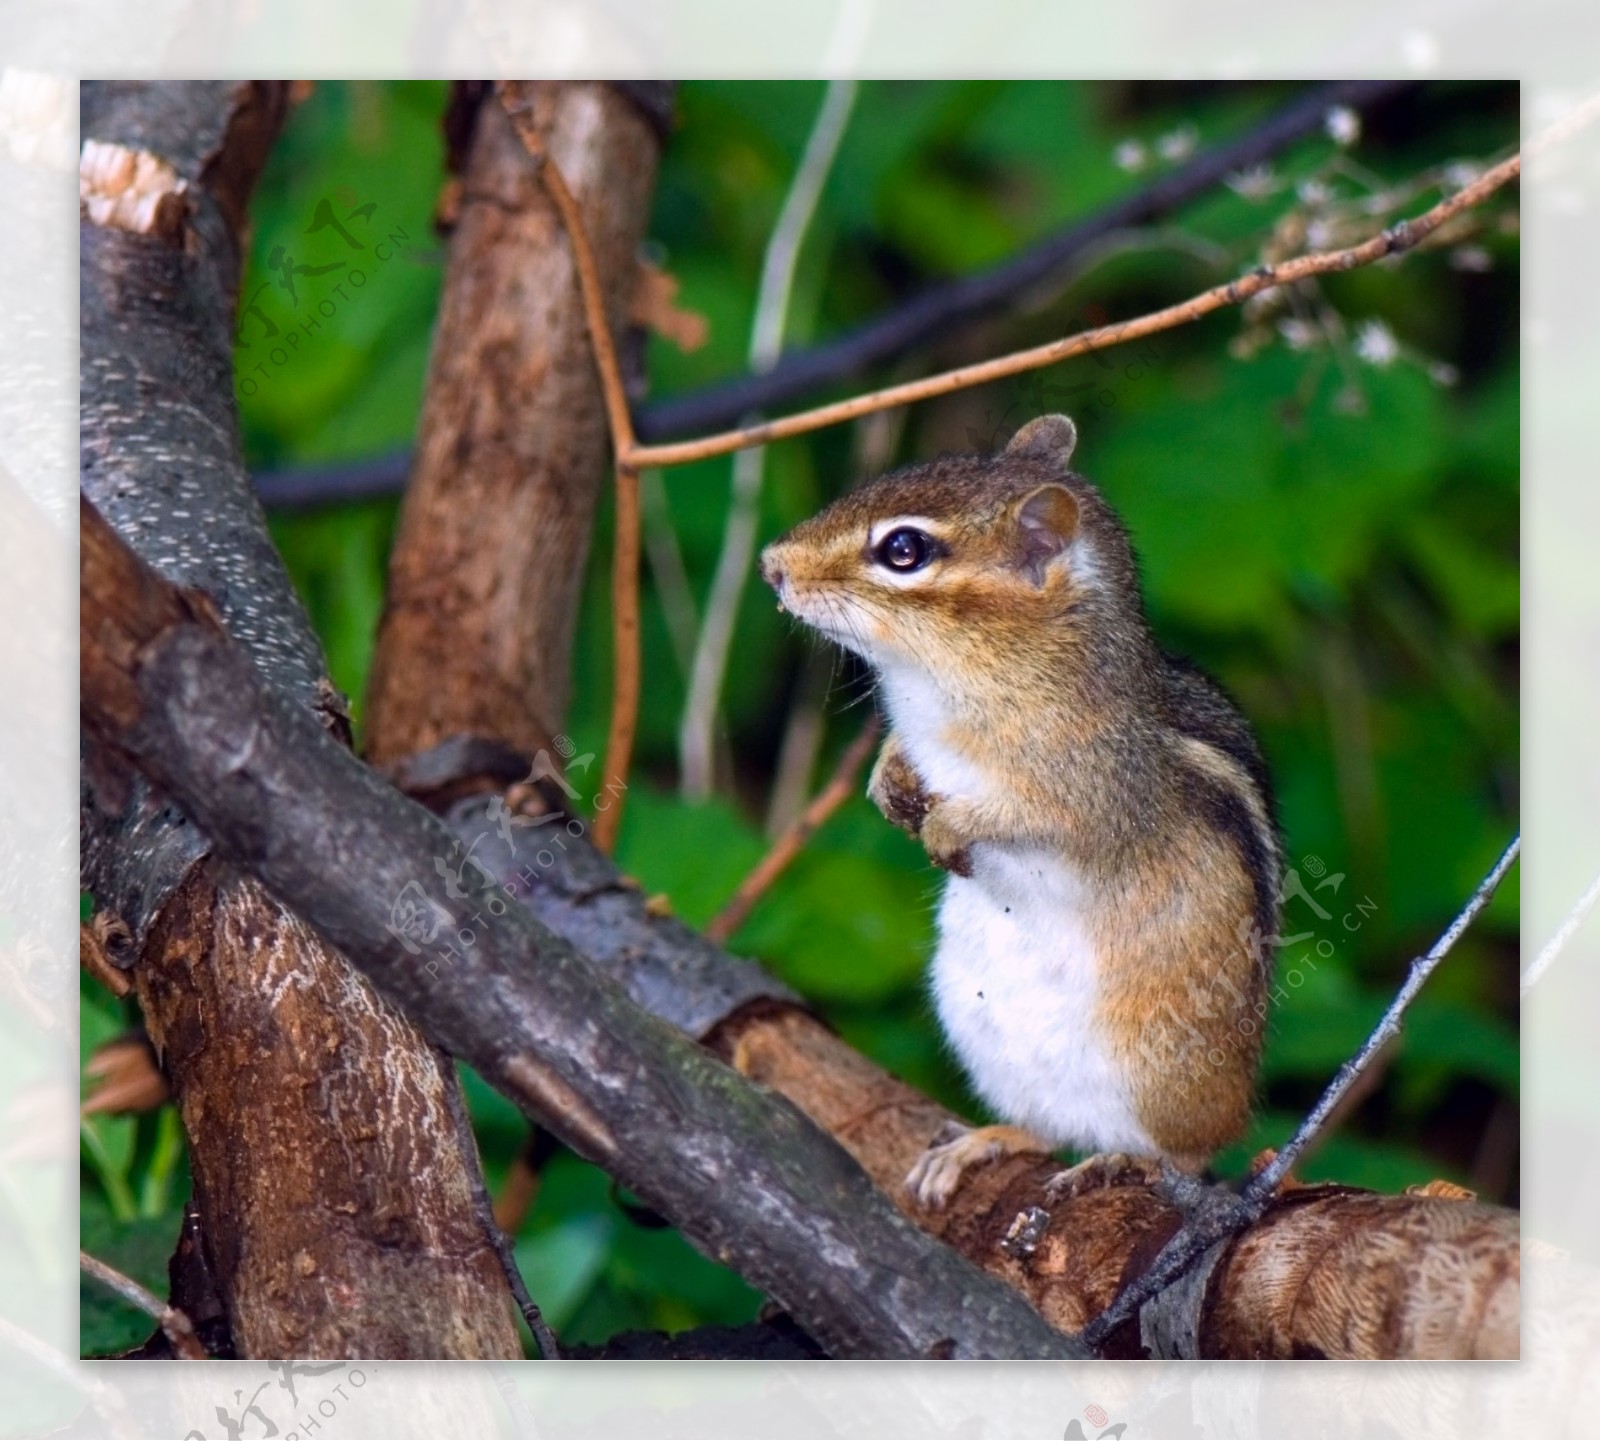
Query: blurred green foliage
point(1335, 539)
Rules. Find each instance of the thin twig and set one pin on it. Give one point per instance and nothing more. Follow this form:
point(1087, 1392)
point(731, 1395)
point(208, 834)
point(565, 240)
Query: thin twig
point(789, 845)
point(625, 659)
point(695, 748)
point(1553, 947)
point(1268, 1179)
point(1395, 240)
point(1216, 1223)
point(176, 1326)
point(483, 1208)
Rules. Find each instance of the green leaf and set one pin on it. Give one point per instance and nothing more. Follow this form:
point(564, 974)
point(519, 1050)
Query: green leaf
point(696, 854)
point(140, 1249)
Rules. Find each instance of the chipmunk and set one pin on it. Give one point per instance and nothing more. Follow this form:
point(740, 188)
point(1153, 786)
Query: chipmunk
point(1102, 808)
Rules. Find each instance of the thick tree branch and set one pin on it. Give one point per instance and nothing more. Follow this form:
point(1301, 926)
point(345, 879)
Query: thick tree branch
point(738, 1170)
point(323, 1236)
point(517, 100)
point(511, 452)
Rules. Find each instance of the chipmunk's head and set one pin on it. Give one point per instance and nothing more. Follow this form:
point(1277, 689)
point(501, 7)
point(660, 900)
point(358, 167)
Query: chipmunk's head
point(972, 567)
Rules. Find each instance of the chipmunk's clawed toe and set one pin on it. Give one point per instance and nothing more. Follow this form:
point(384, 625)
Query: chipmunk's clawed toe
point(939, 1169)
point(1094, 1173)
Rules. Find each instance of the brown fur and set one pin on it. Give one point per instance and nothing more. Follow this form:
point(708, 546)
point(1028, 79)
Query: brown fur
point(1131, 764)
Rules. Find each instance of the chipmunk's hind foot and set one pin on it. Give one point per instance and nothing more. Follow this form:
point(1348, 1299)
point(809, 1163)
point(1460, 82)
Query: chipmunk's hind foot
point(1182, 1182)
point(1094, 1173)
point(954, 1152)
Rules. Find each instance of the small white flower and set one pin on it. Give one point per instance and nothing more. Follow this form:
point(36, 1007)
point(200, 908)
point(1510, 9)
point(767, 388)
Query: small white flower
point(1314, 192)
point(1375, 343)
point(1460, 174)
point(1472, 258)
point(1319, 235)
point(1256, 183)
point(1298, 334)
point(1130, 156)
point(1442, 374)
point(1179, 145)
point(1343, 125)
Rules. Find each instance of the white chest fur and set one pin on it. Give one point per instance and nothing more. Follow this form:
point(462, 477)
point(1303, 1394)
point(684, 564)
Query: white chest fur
point(1014, 981)
point(1015, 973)
point(920, 717)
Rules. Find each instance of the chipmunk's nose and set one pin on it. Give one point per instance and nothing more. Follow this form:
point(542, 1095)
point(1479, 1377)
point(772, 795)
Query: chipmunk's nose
point(771, 571)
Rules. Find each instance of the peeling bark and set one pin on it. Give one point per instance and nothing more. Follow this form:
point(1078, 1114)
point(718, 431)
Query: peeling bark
point(333, 1200)
point(341, 1215)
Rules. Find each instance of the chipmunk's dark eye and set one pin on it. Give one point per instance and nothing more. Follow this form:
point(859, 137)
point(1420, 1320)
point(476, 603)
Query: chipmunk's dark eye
point(905, 549)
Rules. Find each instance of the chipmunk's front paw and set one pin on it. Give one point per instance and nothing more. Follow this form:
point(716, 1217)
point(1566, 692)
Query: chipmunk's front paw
point(948, 847)
point(939, 1169)
point(896, 789)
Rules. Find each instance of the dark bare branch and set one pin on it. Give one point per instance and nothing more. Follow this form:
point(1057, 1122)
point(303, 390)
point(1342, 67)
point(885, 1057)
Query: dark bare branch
point(739, 1170)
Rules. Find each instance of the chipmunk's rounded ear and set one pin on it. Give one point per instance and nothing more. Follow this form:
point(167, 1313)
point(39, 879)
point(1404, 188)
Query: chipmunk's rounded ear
point(1047, 521)
point(1050, 437)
